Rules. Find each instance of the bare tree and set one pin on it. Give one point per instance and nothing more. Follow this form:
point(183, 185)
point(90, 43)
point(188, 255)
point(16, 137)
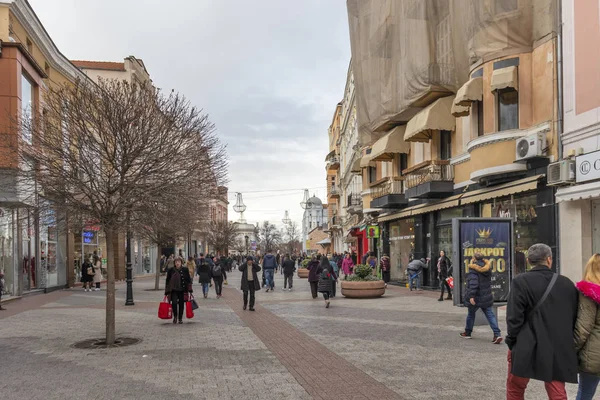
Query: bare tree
point(222, 235)
point(292, 241)
point(112, 151)
point(268, 236)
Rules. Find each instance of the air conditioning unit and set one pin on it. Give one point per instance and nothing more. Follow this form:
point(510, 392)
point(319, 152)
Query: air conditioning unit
point(531, 146)
point(561, 173)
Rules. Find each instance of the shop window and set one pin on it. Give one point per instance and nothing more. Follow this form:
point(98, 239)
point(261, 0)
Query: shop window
point(26, 108)
point(445, 145)
point(508, 109)
point(372, 171)
point(478, 112)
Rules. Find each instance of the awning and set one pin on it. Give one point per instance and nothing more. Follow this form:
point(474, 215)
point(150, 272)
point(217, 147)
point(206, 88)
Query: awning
point(366, 161)
point(460, 111)
point(578, 192)
point(449, 202)
point(505, 78)
point(470, 92)
point(521, 185)
point(324, 242)
point(330, 154)
point(385, 148)
point(435, 117)
point(356, 166)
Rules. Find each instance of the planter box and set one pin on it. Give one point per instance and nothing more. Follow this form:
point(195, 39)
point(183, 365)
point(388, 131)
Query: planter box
point(302, 273)
point(363, 290)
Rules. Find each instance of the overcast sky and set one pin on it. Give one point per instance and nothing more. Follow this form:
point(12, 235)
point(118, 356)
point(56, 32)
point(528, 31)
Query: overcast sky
point(268, 72)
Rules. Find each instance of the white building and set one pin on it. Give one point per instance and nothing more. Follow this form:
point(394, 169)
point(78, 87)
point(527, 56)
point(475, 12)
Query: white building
point(579, 204)
point(313, 217)
point(246, 237)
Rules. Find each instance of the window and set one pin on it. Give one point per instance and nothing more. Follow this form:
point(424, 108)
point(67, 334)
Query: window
point(508, 109)
point(26, 108)
point(478, 105)
point(445, 145)
point(402, 163)
point(372, 174)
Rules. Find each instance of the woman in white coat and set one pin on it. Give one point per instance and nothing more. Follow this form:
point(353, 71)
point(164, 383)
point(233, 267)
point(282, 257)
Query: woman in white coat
point(97, 272)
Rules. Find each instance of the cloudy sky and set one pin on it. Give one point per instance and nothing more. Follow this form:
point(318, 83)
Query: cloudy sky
point(269, 73)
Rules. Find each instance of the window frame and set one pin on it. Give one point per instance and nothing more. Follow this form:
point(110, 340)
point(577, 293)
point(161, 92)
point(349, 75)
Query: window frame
point(498, 95)
point(372, 174)
point(441, 153)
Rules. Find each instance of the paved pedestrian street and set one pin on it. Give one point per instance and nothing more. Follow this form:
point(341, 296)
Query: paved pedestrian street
point(402, 346)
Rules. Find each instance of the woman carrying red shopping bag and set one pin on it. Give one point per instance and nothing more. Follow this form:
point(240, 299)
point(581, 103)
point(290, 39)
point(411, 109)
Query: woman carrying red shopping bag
point(178, 284)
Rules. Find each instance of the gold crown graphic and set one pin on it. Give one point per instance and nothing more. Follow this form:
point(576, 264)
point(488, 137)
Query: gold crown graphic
point(484, 233)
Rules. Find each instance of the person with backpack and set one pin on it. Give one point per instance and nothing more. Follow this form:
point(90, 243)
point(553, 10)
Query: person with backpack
point(217, 275)
point(269, 265)
point(204, 273)
point(250, 283)
point(587, 330)
point(335, 270)
point(326, 280)
point(385, 268)
point(478, 295)
point(87, 274)
point(288, 267)
point(540, 319)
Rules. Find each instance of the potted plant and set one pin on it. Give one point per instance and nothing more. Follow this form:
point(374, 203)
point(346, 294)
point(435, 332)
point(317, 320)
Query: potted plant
point(302, 271)
point(363, 284)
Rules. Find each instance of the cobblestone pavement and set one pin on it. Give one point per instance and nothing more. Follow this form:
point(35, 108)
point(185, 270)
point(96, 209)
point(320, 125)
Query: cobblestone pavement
point(404, 345)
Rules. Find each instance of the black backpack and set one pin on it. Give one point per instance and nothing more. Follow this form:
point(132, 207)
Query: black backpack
point(216, 270)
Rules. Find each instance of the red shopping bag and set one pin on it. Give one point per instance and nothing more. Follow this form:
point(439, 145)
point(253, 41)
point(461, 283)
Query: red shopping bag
point(189, 312)
point(450, 281)
point(165, 311)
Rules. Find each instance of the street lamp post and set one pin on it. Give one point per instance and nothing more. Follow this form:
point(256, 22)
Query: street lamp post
point(129, 271)
point(246, 238)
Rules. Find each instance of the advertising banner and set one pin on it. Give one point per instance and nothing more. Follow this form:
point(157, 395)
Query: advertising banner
point(373, 232)
point(493, 238)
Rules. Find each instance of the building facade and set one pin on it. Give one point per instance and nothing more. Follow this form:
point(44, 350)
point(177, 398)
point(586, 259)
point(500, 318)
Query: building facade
point(314, 216)
point(579, 197)
point(334, 192)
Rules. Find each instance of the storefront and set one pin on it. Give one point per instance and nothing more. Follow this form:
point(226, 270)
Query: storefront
point(423, 231)
point(91, 241)
point(8, 251)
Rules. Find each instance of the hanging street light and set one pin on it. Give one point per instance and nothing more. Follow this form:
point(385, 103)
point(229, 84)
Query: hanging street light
point(239, 206)
point(286, 218)
point(306, 203)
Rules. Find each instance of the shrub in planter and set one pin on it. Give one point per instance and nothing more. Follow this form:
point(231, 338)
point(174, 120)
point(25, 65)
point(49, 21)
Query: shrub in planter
point(302, 271)
point(363, 284)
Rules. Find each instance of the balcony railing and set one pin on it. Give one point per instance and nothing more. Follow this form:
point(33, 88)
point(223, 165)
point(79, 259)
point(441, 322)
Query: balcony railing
point(333, 162)
point(391, 185)
point(334, 191)
point(428, 171)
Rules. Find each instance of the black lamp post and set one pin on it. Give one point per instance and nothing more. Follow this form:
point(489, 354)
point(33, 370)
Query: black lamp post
point(129, 270)
point(246, 237)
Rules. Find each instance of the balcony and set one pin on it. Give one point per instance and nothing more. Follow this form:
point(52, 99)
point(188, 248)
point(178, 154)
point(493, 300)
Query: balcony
point(389, 193)
point(355, 203)
point(335, 223)
point(334, 192)
point(333, 163)
point(432, 179)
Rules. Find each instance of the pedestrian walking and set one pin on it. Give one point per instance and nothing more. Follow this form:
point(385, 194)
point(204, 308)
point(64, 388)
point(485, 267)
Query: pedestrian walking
point(2, 285)
point(191, 266)
point(385, 268)
point(178, 283)
point(97, 272)
point(444, 271)
point(326, 280)
point(204, 275)
point(288, 267)
point(372, 261)
point(217, 275)
point(478, 295)
point(163, 263)
point(250, 283)
point(314, 273)
point(414, 270)
point(269, 265)
point(336, 271)
point(587, 330)
point(87, 274)
point(540, 319)
point(347, 265)
point(170, 262)
point(279, 262)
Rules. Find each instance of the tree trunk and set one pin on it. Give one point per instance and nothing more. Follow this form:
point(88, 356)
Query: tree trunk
point(157, 277)
point(110, 287)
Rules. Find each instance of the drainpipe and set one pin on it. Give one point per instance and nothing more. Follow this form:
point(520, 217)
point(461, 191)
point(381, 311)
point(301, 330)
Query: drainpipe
point(559, 125)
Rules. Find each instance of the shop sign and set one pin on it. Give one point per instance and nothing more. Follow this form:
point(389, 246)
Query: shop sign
point(373, 232)
point(588, 167)
point(88, 237)
point(492, 237)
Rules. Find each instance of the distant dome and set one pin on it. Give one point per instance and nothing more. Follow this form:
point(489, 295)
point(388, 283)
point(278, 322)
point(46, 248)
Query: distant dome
point(315, 201)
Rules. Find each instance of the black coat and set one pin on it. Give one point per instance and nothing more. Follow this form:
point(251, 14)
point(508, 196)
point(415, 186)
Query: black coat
point(543, 347)
point(184, 275)
point(314, 271)
point(479, 285)
point(445, 267)
point(255, 269)
point(289, 266)
point(204, 272)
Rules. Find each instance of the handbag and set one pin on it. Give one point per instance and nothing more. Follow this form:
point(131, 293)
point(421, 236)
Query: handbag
point(165, 311)
point(189, 312)
point(194, 304)
point(450, 281)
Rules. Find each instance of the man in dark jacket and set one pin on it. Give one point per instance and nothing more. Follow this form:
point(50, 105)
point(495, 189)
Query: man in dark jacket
point(288, 267)
point(540, 330)
point(269, 265)
point(250, 283)
point(479, 295)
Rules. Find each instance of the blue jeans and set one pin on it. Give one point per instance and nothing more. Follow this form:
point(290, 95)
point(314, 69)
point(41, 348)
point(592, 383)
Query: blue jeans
point(587, 386)
point(415, 278)
point(269, 278)
point(489, 314)
point(205, 288)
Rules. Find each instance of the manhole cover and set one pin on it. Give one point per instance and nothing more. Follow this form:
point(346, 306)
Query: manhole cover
point(101, 343)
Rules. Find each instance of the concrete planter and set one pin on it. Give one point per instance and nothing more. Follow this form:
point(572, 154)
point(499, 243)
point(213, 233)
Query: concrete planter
point(302, 273)
point(363, 290)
